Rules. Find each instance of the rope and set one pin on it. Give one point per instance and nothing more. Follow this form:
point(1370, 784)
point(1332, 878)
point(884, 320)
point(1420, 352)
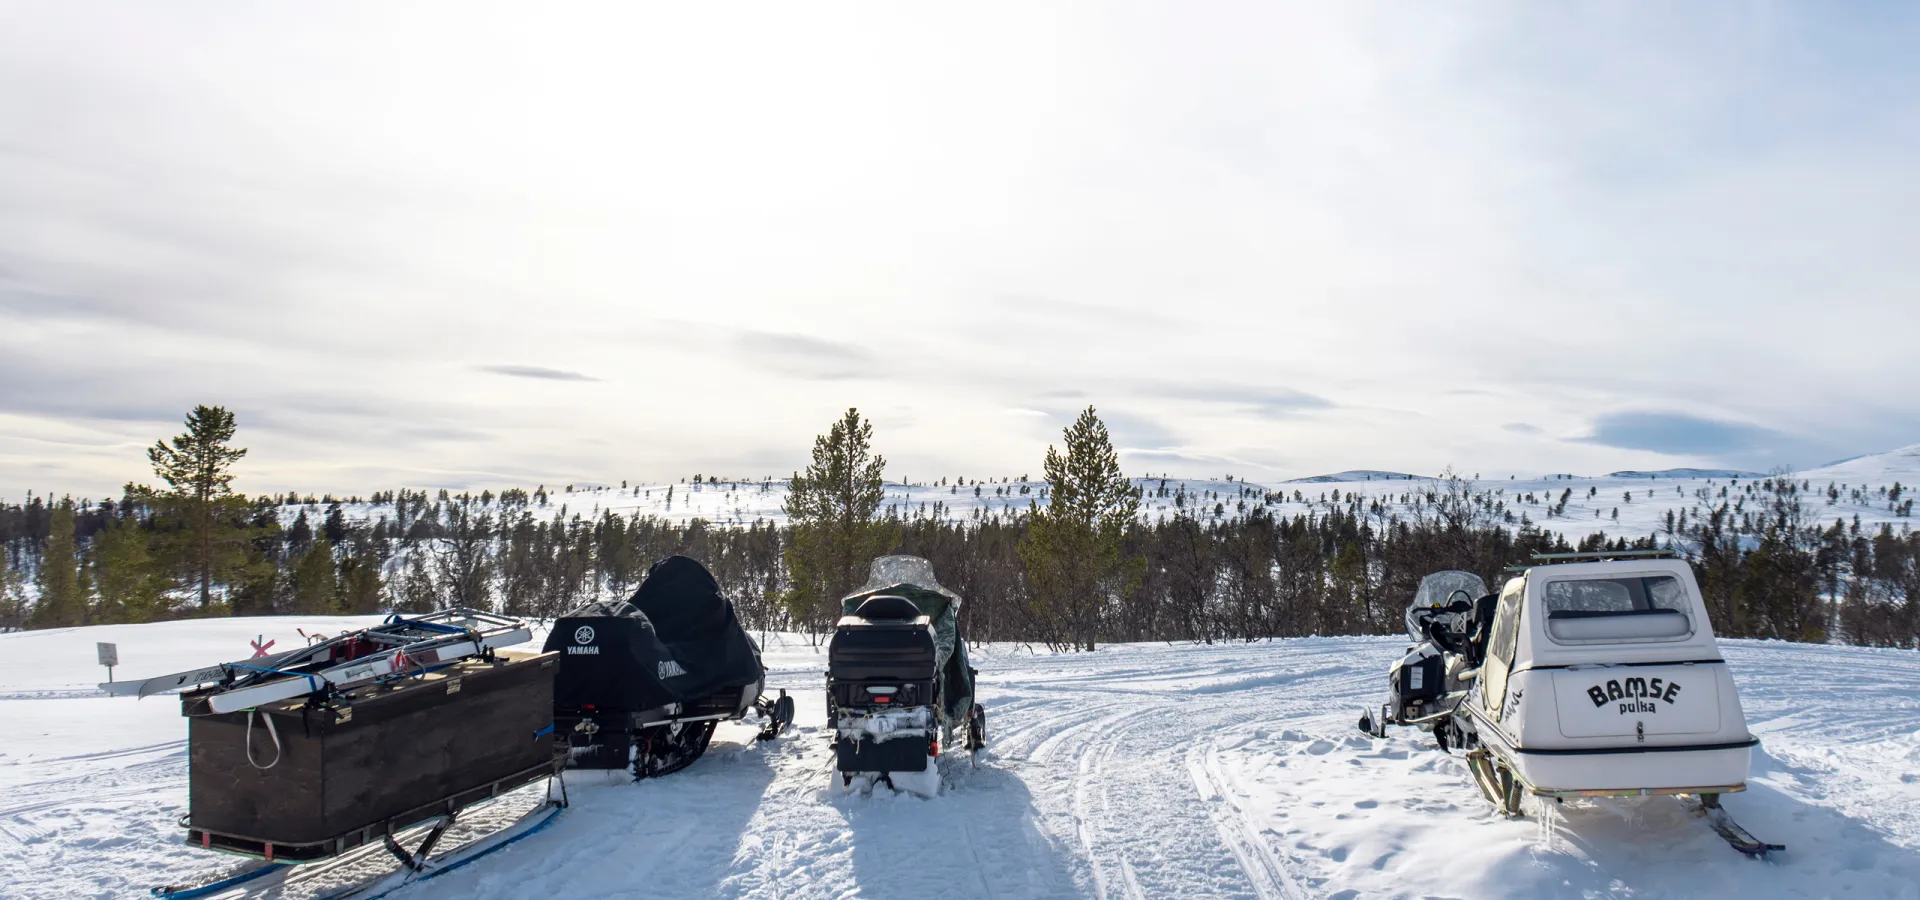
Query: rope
point(271, 732)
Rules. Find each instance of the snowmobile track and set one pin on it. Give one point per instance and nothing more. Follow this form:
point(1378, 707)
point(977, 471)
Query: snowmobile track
point(1257, 858)
point(1229, 771)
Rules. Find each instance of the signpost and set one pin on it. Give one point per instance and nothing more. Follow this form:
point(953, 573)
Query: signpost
point(109, 657)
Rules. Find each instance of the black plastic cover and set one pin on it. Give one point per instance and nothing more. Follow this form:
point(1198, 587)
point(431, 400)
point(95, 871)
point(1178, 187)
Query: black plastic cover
point(676, 640)
point(1420, 676)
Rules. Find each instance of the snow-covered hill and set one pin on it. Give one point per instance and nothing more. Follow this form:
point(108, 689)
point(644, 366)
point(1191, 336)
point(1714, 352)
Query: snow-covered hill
point(1623, 503)
point(1880, 468)
point(1137, 771)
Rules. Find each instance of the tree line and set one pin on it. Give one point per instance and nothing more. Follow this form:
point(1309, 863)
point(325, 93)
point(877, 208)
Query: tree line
point(1080, 570)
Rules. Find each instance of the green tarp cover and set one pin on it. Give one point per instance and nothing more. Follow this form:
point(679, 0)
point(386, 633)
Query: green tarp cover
point(912, 577)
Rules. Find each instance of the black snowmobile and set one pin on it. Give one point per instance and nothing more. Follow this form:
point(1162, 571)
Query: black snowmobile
point(643, 682)
point(1450, 618)
point(898, 683)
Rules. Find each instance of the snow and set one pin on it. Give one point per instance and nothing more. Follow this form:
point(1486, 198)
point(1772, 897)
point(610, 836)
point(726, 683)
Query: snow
point(1642, 499)
point(1231, 770)
point(1352, 475)
point(1902, 465)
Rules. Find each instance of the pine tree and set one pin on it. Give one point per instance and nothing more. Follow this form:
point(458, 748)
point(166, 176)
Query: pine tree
point(60, 604)
point(1072, 547)
point(832, 508)
point(316, 590)
point(197, 467)
point(335, 527)
point(415, 592)
point(13, 597)
point(128, 584)
point(359, 584)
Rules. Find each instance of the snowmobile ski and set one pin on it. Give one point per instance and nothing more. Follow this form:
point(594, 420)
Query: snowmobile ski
point(1708, 805)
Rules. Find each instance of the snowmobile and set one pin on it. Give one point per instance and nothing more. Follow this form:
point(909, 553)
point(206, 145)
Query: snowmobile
point(1588, 675)
point(898, 683)
point(644, 681)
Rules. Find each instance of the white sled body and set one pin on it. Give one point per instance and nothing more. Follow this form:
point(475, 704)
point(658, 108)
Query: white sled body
point(1604, 678)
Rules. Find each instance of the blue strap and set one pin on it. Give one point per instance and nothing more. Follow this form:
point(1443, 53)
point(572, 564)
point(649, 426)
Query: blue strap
point(441, 627)
point(398, 619)
point(543, 732)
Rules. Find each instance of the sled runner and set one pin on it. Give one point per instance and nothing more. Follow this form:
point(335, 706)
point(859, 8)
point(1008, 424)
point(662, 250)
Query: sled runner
point(898, 683)
point(1589, 675)
point(376, 869)
point(643, 682)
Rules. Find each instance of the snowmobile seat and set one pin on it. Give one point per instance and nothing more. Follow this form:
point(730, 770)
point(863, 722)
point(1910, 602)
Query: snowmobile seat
point(864, 648)
point(887, 607)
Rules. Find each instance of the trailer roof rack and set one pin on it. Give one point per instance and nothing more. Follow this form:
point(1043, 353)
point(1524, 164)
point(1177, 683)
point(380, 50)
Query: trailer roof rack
point(1607, 554)
point(1596, 556)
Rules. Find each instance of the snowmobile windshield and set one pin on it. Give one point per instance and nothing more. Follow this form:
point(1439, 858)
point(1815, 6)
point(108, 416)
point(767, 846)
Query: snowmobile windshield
point(1438, 589)
point(1613, 610)
point(888, 571)
point(1436, 592)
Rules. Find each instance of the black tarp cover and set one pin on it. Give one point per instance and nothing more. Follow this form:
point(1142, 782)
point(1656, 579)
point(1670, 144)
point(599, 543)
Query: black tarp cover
point(911, 577)
point(675, 640)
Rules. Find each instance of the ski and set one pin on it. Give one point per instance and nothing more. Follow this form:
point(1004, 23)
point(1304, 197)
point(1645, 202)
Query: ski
point(192, 678)
point(397, 646)
point(366, 668)
point(1723, 825)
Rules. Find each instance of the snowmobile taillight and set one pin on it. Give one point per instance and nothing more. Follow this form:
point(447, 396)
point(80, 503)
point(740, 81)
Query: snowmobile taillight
point(883, 699)
point(586, 706)
point(933, 747)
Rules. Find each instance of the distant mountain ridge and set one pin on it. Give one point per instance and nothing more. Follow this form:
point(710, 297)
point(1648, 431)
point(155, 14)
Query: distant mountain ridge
point(1354, 475)
point(1687, 473)
point(1901, 464)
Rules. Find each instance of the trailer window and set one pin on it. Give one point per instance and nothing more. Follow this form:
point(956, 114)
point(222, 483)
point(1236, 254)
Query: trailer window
point(1608, 610)
point(1506, 628)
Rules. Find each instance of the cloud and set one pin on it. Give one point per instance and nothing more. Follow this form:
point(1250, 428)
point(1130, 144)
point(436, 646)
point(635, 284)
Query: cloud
point(1680, 434)
point(807, 357)
point(1053, 312)
point(1367, 261)
point(540, 372)
point(1248, 398)
point(1135, 432)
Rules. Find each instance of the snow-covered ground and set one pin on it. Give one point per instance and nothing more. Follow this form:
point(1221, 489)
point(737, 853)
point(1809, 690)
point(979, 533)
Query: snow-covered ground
point(1137, 771)
point(1641, 500)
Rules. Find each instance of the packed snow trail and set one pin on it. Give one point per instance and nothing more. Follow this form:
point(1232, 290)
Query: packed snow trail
point(1231, 770)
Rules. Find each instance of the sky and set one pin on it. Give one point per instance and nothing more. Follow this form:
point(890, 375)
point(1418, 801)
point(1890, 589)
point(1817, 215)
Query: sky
point(418, 245)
